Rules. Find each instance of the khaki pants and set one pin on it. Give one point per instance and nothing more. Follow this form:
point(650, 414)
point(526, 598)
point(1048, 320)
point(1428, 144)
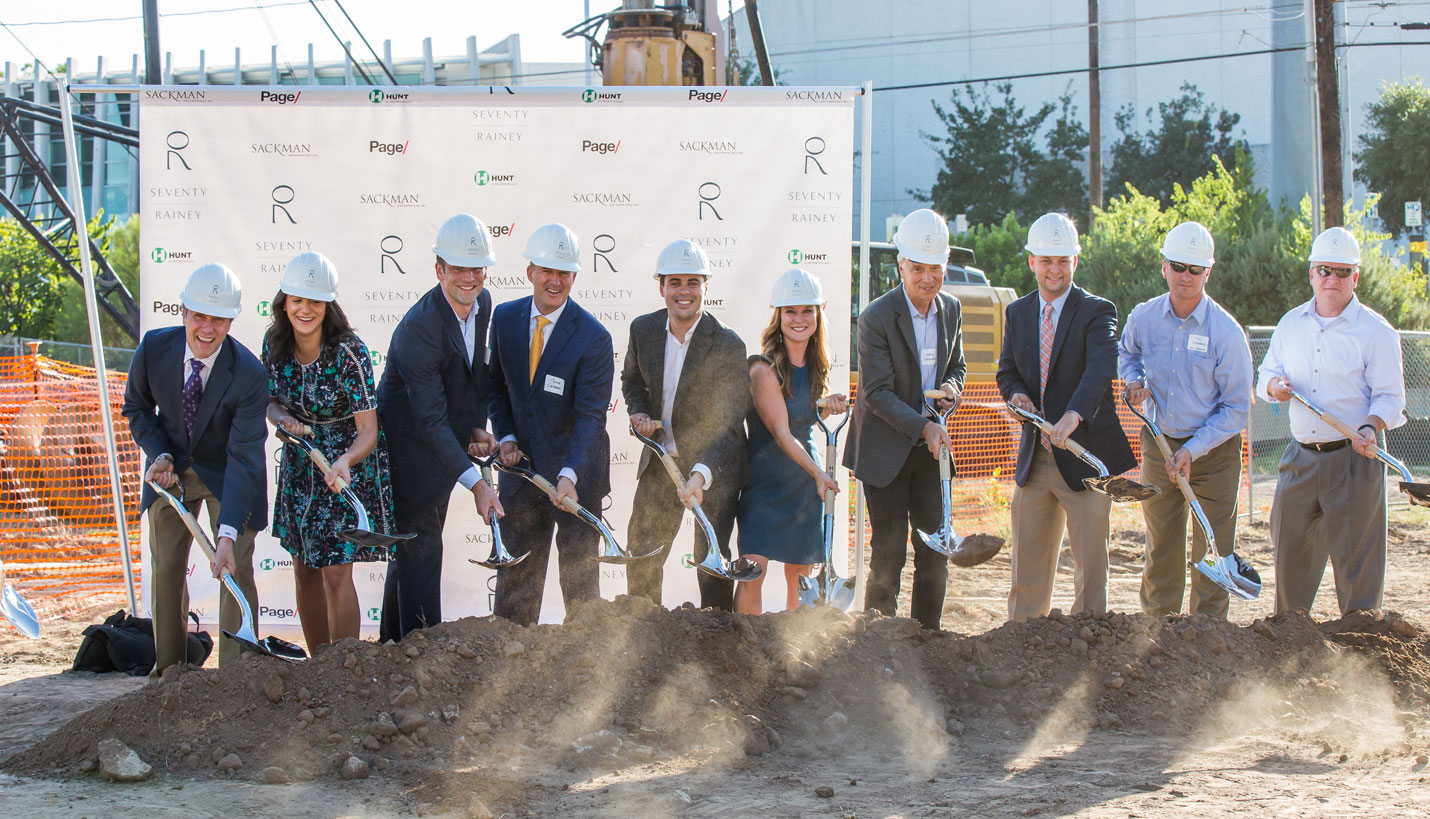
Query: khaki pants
point(169, 544)
point(1216, 481)
point(1042, 508)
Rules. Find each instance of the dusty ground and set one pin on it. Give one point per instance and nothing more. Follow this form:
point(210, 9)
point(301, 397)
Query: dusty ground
point(632, 711)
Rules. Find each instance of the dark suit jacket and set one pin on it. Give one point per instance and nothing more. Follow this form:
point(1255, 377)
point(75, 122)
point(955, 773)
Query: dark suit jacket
point(888, 419)
point(565, 425)
point(430, 398)
point(710, 401)
point(226, 449)
point(1080, 373)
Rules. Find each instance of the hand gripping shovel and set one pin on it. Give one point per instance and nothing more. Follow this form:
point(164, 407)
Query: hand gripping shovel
point(969, 550)
point(500, 556)
point(714, 563)
point(611, 551)
point(245, 636)
point(1118, 488)
point(362, 535)
point(1230, 572)
point(17, 609)
point(1419, 492)
point(828, 588)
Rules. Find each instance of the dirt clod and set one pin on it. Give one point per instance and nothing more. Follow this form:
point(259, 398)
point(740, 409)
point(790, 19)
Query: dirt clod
point(120, 764)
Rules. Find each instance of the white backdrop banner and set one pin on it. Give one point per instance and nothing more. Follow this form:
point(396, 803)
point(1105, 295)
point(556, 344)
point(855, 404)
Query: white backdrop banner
point(762, 178)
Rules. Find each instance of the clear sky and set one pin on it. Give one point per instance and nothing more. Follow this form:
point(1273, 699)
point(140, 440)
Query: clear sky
point(87, 29)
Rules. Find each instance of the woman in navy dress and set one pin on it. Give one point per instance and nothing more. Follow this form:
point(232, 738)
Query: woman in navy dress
point(782, 508)
point(320, 377)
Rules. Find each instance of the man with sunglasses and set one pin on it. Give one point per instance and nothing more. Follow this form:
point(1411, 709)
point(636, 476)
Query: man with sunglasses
point(1330, 493)
point(1187, 353)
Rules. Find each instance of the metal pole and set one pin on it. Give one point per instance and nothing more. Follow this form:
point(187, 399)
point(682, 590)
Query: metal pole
point(152, 73)
point(75, 171)
point(1094, 113)
point(757, 34)
point(866, 161)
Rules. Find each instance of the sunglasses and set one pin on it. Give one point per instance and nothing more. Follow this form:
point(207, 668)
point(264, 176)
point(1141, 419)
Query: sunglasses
point(1327, 270)
point(1178, 267)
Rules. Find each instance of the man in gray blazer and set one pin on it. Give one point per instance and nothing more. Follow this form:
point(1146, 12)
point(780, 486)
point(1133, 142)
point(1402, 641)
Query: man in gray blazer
point(910, 340)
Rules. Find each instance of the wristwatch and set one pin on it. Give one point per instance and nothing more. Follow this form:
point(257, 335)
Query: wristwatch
point(1371, 427)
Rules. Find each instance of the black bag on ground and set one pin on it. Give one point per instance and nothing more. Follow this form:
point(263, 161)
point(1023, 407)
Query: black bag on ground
point(126, 643)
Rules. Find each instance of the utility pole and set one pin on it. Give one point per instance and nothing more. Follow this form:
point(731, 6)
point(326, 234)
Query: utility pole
point(152, 73)
point(1094, 117)
point(757, 34)
point(1329, 104)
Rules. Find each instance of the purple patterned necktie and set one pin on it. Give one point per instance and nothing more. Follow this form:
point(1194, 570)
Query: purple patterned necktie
point(193, 392)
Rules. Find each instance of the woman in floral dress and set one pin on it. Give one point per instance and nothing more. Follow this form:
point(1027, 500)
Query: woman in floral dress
point(321, 386)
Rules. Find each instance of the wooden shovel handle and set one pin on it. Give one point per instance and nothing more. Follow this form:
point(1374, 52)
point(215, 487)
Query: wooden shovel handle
point(322, 461)
point(545, 486)
point(670, 465)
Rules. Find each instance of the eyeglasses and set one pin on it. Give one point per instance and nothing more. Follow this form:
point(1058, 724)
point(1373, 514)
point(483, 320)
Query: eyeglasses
point(1195, 270)
point(1340, 272)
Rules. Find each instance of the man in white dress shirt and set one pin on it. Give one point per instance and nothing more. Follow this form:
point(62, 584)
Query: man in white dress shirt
point(1330, 495)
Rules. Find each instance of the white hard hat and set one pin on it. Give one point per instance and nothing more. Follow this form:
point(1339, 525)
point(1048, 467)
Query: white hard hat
point(310, 275)
point(682, 257)
point(1190, 243)
point(796, 287)
point(922, 237)
point(1337, 246)
point(464, 241)
point(554, 246)
point(1054, 234)
point(213, 290)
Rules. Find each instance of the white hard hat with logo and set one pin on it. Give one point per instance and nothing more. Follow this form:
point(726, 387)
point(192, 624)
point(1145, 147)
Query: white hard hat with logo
point(922, 237)
point(682, 257)
point(213, 290)
point(310, 275)
point(795, 288)
point(464, 241)
point(1054, 234)
point(1189, 243)
point(1337, 246)
point(554, 246)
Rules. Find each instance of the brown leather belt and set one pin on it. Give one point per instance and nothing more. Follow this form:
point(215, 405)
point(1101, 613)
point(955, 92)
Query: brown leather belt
point(1329, 446)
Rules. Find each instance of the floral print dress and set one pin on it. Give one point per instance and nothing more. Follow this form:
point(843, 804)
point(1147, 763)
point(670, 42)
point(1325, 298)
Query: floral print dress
point(325, 395)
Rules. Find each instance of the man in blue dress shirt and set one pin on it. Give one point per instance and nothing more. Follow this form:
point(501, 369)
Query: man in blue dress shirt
point(1190, 356)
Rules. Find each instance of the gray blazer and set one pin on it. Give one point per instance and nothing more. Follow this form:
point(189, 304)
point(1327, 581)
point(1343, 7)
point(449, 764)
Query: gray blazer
point(888, 419)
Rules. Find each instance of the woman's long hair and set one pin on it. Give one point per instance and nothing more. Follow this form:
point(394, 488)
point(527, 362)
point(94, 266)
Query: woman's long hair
point(279, 338)
point(816, 357)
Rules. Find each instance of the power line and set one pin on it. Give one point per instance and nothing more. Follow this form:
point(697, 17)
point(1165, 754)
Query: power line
point(141, 17)
point(262, 12)
point(363, 37)
point(344, 45)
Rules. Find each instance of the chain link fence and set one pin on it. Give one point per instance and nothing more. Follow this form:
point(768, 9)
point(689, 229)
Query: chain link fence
point(116, 359)
point(1269, 429)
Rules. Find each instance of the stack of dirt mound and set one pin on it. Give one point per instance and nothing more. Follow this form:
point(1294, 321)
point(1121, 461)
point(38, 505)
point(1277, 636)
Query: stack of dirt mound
point(625, 682)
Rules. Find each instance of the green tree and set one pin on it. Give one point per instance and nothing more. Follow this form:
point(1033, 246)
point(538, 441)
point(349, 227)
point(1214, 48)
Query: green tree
point(991, 163)
point(30, 279)
point(1185, 134)
point(120, 245)
point(999, 251)
point(1394, 148)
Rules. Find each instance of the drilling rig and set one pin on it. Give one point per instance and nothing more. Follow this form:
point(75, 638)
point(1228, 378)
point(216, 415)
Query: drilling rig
point(650, 44)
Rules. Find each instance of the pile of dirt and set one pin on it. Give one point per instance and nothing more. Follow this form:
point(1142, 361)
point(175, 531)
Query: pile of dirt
point(626, 682)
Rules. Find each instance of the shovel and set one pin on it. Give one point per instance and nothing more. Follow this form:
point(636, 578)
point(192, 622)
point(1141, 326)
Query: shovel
point(500, 556)
point(967, 551)
point(828, 588)
point(611, 551)
point(1419, 492)
point(1120, 489)
point(245, 636)
point(362, 535)
point(714, 563)
point(17, 609)
point(1234, 575)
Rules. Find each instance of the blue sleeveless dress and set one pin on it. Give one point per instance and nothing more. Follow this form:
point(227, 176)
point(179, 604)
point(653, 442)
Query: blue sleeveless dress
point(780, 515)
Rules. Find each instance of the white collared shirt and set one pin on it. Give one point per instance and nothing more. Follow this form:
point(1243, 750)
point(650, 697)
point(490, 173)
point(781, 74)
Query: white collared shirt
point(224, 530)
point(551, 319)
point(926, 335)
point(675, 351)
point(1349, 365)
point(468, 328)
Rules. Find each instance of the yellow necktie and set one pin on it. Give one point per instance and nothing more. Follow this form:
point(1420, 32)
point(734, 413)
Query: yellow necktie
point(535, 358)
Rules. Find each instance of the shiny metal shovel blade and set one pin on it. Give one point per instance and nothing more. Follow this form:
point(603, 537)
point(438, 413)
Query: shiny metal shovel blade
point(372, 540)
point(1221, 571)
point(272, 646)
point(826, 590)
point(808, 592)
point(20, 613)
point(1242, 574)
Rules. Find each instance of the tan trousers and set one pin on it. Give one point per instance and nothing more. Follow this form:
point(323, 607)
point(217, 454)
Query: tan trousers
point(169, 544)
point(1042, 508)
point(1216, 481)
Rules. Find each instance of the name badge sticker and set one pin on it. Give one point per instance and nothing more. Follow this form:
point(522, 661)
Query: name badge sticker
point(1197, 344)
point(928, 356)
point(554, 385)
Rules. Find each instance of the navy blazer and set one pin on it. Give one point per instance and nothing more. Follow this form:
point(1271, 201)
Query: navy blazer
point(430, 399)
point(558, 417)
point(1080, 374)
point(226, 449)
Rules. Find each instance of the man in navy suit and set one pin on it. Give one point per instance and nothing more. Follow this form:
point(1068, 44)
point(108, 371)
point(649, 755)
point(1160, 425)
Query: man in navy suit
point(432, 403)
point(195, 401)
point(556, 416)
point(1059, 358)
